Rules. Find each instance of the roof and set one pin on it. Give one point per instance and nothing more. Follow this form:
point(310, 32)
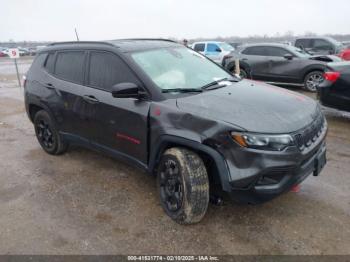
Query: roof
point(313, 37)
point(203, 42)
point(124, 45)
point(131, 45)
point(266, 44)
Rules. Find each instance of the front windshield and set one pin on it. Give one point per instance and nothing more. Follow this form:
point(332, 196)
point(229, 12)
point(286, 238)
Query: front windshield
point(178, 68)
point(226, 47)
point(300, 52)
point(335, 42)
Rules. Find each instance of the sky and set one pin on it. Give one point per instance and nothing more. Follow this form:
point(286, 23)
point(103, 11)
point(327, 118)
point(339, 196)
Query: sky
point(55, 20)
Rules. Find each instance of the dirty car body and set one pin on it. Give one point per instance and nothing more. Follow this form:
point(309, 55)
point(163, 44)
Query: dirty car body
point(257, 140)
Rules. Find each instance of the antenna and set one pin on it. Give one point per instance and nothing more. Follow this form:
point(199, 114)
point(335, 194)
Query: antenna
point(76, 34)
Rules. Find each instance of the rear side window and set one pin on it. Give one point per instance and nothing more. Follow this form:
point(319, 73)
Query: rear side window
point(107, 69)
point(305, 43)
point(255, 50)
point(70, 66)
point(199, 47)
point(50, 62)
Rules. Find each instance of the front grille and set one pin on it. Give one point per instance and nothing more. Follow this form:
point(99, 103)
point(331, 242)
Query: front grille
point(309, 135)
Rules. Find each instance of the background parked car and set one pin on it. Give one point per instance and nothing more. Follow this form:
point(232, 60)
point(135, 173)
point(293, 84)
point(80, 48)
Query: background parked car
point(335, 90)
point(319, 45)
point(3, 52)
point(216, 51)
point(23, 51)
point(280, 64)
point(345, 54)
point(32, 51)
point(235, 45)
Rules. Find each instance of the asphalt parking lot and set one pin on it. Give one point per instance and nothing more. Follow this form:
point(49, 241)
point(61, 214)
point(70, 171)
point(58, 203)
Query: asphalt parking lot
point(87, 203)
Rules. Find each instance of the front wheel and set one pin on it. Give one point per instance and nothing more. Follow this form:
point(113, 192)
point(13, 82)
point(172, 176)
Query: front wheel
point(313, 80)
point(183, 185)
point(242, 73)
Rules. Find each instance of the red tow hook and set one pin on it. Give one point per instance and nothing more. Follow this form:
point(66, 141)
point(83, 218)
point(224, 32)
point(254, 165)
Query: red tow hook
point(296, 188)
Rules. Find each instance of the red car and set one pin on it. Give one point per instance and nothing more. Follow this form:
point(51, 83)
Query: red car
point(345, 54)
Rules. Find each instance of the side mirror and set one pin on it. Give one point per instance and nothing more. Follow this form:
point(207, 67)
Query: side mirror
point(218, 50)
point(288, 56)
point(127, 90)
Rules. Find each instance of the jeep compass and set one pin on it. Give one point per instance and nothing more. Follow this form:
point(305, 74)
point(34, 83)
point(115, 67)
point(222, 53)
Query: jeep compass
point(173, 112)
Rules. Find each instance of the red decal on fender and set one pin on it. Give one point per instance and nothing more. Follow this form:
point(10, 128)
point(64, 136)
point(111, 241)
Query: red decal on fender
point(129, 138)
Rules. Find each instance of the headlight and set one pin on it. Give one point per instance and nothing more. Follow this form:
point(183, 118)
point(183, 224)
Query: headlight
point(263, 142)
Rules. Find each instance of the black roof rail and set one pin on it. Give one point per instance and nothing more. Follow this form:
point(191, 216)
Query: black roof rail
point(80, 42)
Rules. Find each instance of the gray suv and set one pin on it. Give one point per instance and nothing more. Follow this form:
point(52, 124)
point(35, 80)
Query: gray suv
point(169, 110)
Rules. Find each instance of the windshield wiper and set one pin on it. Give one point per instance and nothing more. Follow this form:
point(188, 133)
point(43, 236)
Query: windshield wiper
point(216, 83)
point(182, 90)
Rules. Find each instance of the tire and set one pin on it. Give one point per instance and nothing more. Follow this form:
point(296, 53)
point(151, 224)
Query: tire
point(47, 134)
point(312, 80)
point(242, 72)
point(183, 185)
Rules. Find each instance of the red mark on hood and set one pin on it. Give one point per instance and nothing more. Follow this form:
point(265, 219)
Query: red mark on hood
point(128, 138)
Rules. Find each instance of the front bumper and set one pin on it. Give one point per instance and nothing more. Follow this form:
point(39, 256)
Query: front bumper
point(256, 176)
point(274, 181)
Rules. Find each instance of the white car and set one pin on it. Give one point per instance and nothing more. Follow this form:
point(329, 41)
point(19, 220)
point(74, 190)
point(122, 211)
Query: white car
point(213, 50)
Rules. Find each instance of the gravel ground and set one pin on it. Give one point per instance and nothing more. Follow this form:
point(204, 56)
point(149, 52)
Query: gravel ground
point(87, 203)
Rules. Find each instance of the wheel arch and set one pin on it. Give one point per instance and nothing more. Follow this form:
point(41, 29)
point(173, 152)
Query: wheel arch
point(310, 69)
point(34, 108)
point(219, 172)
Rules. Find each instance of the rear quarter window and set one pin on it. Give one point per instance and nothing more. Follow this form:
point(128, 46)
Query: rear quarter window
point(305, 43)
point(50, 62)
point(38, 61)
point(70, 66)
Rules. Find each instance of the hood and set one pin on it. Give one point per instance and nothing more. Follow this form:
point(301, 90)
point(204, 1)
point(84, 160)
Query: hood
point(253, 106)
point(326, 58)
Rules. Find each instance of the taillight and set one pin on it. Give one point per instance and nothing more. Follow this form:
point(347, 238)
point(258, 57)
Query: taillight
point(331, 76)
point(24, 81)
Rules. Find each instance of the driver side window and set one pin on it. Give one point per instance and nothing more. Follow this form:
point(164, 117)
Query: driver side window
point(213, 48)
point(277, 51)
point(320, 44)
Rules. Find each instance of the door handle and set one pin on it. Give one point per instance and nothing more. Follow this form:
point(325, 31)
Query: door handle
point(244, 59)
point(91, 99)
point(49, 86)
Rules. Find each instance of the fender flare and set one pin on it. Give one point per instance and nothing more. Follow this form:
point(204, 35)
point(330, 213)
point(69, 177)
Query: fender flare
point(44, 107)
point(164, 141)
point(310, 69)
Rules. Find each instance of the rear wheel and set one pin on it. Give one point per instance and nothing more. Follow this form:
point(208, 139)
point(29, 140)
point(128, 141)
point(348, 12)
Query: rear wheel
point(47, 134)
point(183, 185)
point(313, 80)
